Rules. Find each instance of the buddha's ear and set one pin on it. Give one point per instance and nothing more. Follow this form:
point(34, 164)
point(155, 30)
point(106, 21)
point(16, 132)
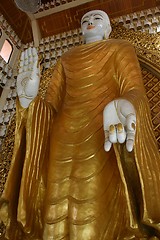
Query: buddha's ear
point(107, 31)
point(105, 35)
point(83, 39)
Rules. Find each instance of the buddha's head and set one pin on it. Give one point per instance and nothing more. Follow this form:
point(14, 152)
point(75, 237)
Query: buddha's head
point(95, 26)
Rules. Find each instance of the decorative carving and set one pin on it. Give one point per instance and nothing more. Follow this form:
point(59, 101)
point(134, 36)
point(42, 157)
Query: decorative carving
point(5, 159)
point(144, 21)
point(147, 45)
point(45, 79)
point(152, 86)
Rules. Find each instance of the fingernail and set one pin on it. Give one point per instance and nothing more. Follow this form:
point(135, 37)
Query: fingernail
point(106, 134)
point(111, 128)
point(119, 127)
point(133, 126)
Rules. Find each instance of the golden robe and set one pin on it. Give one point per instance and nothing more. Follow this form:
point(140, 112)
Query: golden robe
point(62, 184)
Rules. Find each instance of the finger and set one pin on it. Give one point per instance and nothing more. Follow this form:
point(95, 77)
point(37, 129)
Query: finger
point(20, 69)
point(34, 51)
point(35, 59)
point(35, 70)
point(130, 140)
point(29, 52)
point(32, 58)
point(35, 74)
point(21, 65)
point(25, 65)
point(107, 144)
point(22, 57)
point(35, 55)
point(131, 122)
point(29, 59)
point(131, 131)
point(121, 133)
point(112, 134)
point(129, 145)
point(28, 55)
point(26, 60)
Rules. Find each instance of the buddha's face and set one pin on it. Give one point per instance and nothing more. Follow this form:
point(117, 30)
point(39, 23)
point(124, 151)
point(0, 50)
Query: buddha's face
point(95, 24)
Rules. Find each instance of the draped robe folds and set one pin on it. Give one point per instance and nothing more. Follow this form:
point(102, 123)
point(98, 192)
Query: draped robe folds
point(62, 184)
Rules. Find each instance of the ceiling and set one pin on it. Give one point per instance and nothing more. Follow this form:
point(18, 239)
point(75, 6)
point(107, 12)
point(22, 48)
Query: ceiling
point(66, 17)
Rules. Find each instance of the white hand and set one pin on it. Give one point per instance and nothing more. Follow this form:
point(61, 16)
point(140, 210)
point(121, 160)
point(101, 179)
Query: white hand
point(28, 77)
point(119, 123)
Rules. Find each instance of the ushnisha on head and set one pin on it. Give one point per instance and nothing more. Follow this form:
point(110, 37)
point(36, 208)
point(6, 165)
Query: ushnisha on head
point(95, 26)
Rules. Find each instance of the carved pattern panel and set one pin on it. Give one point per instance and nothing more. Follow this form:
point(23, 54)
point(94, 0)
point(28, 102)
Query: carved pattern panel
point(152, 85)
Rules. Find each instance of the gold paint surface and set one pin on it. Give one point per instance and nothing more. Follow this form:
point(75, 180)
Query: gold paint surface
point(78, 190)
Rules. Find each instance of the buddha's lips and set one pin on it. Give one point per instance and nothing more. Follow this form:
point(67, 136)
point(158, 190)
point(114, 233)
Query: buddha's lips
point(90, 27)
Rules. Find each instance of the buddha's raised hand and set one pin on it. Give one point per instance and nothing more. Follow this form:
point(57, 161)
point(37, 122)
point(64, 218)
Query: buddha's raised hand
point(28, 77)
point(119, 123)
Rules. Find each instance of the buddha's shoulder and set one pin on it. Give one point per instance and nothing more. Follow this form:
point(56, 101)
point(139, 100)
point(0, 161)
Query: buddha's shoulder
point(109, 44)
point(117, 44)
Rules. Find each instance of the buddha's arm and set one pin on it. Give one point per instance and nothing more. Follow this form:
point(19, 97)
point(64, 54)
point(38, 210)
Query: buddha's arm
point(146, 154)
point(128, 72)
point(131, 87)
point(120, 115)
point(30, 155)
point(56, 89)
point(129, 78)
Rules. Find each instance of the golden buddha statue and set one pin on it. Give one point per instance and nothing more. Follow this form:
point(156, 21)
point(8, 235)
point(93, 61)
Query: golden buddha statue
point(64, 181)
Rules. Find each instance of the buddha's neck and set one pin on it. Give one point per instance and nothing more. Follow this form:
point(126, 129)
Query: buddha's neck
point(93, 39)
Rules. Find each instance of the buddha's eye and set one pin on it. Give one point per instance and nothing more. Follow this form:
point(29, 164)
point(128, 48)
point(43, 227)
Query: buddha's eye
point(98, 18)
point(85, 21)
